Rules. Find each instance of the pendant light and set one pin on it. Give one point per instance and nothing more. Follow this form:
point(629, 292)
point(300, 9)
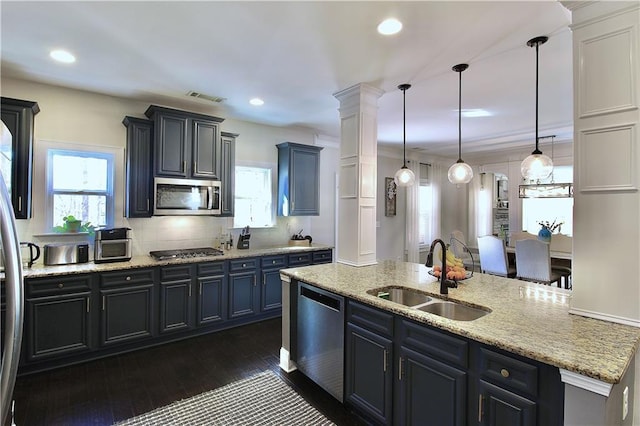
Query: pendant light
point(460, 172)
point(536, 166)
point(404, 176)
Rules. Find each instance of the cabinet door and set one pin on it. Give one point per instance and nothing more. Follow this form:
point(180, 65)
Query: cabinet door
point(305, 182)
point(210, 300)
point(18, 115)
point(242, 294)
point(298, 179)
point(205, 151)
point(368, 373)
point(271, 291)
point(171, 145)
point(499, 407)
point(175, 306)
point(430, 392)
point(139, 189)
point(227, 172)
point(58, 325)
point(127, 314)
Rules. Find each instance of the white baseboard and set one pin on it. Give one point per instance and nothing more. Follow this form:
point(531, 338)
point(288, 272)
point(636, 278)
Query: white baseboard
point(285, 361)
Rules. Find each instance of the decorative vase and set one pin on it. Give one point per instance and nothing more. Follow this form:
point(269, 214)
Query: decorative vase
point(544, 235)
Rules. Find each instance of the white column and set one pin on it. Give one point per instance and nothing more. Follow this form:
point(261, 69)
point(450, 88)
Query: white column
point(606, 74)
point(357, 174)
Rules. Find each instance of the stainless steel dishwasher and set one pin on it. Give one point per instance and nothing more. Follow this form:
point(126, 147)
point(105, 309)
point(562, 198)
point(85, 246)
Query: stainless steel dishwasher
point(321, 338)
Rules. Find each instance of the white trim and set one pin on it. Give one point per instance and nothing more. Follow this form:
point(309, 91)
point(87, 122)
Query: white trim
point(584, 382)
point(285, 361)
point(605, 317)
point(345, 262)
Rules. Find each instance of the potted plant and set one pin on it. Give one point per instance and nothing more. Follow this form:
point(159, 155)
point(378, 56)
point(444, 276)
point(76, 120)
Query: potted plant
point(71, 224)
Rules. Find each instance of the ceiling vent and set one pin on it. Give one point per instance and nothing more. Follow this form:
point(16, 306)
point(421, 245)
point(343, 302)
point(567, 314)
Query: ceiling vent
point(215, 99)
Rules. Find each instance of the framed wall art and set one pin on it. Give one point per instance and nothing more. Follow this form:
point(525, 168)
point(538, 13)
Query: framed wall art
point(389, 197)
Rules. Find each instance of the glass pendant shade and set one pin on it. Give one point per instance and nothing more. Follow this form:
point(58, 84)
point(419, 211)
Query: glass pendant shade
point(536, 167)
point(404, 177)
point(460, 172)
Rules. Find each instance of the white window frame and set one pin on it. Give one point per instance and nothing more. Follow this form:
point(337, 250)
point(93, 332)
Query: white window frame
point(113, 156)
point(274, 181)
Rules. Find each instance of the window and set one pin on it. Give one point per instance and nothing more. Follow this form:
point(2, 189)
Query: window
point(253, 198)
point(80, 183)
point(535, 210)
point(425, 201)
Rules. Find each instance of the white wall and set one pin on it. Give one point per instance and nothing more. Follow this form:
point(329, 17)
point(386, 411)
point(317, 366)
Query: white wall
point(390, 230)
point(86, 118)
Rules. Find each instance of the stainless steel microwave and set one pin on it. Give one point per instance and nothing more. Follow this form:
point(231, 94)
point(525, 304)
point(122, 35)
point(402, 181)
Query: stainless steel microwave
point(187, 197)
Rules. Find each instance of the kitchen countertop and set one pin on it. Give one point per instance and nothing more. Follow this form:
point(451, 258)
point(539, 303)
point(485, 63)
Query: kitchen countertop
point(528, 319)
point(145, 261)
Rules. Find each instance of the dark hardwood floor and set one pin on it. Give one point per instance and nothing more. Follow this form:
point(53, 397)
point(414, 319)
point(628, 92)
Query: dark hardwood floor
point(116, 388)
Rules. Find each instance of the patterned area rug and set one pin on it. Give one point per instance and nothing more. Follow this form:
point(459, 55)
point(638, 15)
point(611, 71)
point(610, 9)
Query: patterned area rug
point(262, 399)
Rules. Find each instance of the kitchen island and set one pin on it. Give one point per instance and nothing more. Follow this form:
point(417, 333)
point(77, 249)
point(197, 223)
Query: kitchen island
point(529, 320)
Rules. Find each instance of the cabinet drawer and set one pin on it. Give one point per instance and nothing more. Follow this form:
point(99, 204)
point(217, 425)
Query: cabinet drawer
point(299, 259)
point(322, 256)
point(240, 265)
point(174, 273)
point(508, 372)
point(370, 318)
point(274, 261)
point(59, 285)
point(436, 344)
point(210, 269)
point(128, 277)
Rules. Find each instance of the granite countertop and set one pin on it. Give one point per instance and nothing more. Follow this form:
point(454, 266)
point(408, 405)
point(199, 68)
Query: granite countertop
point(528, 319)
point(145, 261)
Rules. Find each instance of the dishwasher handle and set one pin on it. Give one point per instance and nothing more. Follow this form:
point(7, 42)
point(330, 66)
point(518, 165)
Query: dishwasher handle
point(323, 299)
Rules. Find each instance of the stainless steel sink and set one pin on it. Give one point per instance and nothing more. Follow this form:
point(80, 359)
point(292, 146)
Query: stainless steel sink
point(404, 296)
point(453, 311)
point(420, 301)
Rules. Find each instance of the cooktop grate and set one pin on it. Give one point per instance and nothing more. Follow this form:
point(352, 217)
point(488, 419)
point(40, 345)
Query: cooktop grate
point(185, 253)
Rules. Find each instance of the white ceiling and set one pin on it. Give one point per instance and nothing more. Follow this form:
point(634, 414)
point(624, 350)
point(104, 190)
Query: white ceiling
point(296, 55)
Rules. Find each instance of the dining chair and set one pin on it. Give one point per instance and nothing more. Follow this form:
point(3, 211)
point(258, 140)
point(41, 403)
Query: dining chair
point(520, 235)
point(561, 242)
point(458, 245)
point(493, 257)
point(533, 263)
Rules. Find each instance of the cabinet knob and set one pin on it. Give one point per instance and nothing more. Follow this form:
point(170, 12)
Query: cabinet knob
point(504, 372)
point(60, 285)
point(244, 265)
point(128, 278)
point(273, 262)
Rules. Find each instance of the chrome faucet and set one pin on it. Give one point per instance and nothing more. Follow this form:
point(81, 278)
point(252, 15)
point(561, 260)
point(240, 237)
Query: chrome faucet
point(444, 283)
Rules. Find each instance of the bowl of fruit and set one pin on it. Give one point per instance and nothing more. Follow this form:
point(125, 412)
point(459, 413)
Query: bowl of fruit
point(455, 268)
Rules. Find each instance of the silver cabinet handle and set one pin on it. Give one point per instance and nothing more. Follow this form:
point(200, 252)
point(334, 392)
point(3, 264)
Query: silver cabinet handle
point(200, 289)
point(20, 203)
point(88, 304)
point(184, 167)
point(103, 302)
point(480, 401)
point(384, 361)
point(400, 369)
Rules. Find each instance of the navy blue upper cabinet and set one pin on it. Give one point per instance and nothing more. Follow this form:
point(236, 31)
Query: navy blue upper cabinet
point(298, 179)
point(187, 145)
point(139, 193)
point(18, 115)
point(228, 171)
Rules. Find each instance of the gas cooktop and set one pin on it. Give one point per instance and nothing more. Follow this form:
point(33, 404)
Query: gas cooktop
point(185, 253)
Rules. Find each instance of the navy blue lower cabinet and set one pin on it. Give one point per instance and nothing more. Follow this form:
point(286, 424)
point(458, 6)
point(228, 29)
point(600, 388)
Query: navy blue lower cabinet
point(369, 373)
point(499, 407)
point(244, 293)
point(211, 294)
point(429, 391)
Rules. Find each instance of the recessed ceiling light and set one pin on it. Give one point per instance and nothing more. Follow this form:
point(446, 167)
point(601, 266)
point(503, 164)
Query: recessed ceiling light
point(390, 26)
point(62, 56)
point(256, 102)
point(475, 113)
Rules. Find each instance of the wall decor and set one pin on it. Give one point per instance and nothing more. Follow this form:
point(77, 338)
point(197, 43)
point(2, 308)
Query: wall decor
point(390, 197)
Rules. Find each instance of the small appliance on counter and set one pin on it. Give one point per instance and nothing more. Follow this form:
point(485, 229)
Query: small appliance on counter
point(299, 240)
point(27, 253)
point(66, 254)
point(112, 245)
point(243, 239)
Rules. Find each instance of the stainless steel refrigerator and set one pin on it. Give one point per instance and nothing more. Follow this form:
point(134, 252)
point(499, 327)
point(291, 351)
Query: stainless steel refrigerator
point(11, 323)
